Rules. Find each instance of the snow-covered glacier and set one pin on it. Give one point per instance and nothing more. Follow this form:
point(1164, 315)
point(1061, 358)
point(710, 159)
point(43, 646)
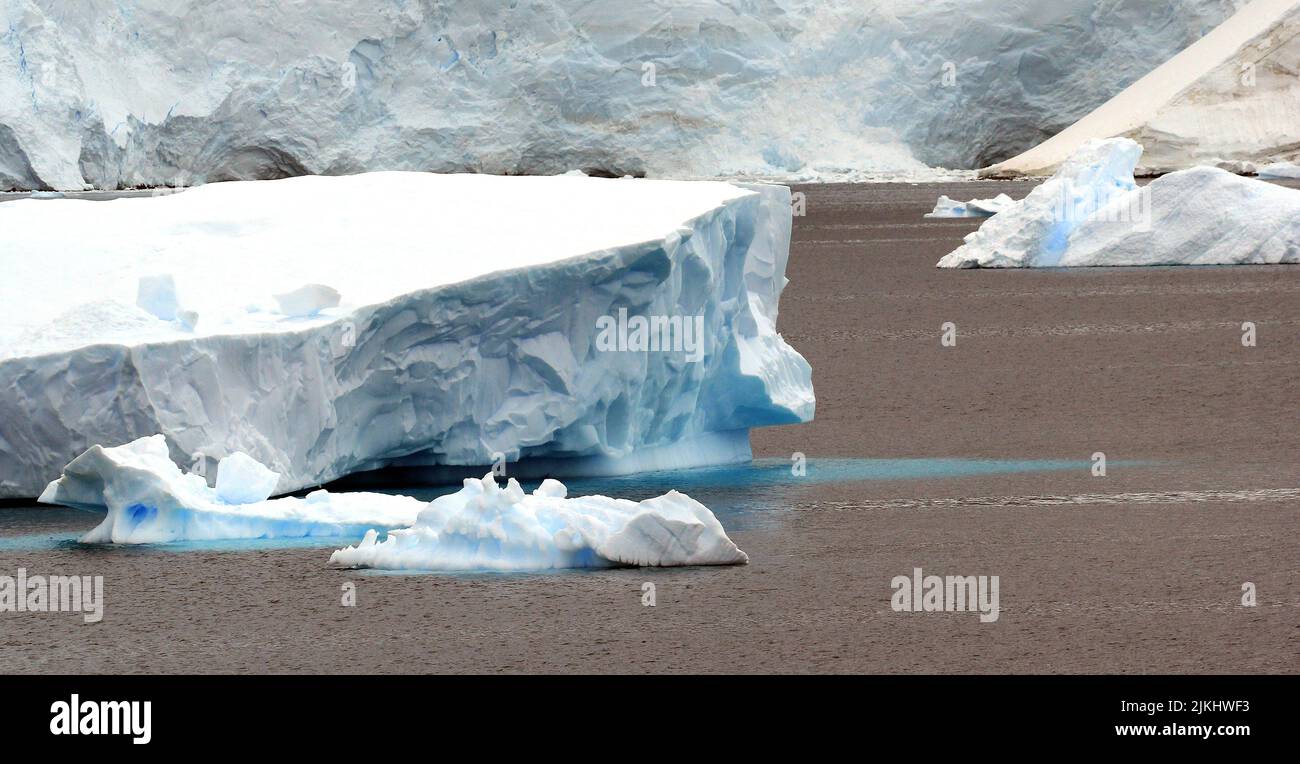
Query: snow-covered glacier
point(148, 499)
point(164, 92)
point(1092, 212)
point(1231, 99)
point(326, 326)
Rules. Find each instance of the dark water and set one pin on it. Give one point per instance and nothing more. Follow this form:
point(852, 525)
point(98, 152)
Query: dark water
point(742, 496)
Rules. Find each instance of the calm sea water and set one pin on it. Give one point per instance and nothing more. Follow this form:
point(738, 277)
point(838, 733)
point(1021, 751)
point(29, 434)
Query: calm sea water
point(743, 496)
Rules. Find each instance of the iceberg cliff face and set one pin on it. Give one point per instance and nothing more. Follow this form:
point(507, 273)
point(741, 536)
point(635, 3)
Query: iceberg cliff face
point(470, 324)
point(179, 91)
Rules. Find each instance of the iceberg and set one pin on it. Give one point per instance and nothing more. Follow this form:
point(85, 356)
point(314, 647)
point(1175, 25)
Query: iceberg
point(1232, 96)
point(461, 324)
point(1091, 212)
point(1280, 170)
point(187, 92)
point(975, 208)
point(486, 527)
point(148, 499)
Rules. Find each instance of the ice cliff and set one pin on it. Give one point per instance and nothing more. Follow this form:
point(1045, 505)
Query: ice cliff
point(1092, 212)
point(330, 325)
point(154, 92)
point(1231, 99)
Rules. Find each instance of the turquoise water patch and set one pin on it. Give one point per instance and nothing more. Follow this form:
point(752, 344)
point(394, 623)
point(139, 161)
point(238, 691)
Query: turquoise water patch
point(743, 496)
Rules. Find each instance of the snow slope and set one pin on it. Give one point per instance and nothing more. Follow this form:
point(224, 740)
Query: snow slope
point(1091, 212)
point(1232, 96)
point(149, 500)
point(152, 92)
point(467, 329)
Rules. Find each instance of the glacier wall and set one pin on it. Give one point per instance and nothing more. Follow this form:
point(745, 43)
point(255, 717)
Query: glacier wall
point(154, 92)
point(435, 369)
point(1231, 99)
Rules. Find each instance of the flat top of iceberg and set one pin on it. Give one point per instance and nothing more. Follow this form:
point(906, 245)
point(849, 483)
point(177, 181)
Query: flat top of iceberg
point(73, 268)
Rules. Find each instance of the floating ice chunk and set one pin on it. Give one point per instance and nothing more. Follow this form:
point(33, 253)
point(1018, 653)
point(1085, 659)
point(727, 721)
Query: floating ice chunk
point(1033, 231)
point(149, 500)
point(487, 527)
point(307, 300)
point(1280, 170)
point(975, 208)
point(241, 479)
point(481, 527)
point(1092, 213)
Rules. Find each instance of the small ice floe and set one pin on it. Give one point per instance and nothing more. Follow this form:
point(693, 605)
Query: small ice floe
point(46, 195)
point(975, 208)
point(150, 500)
point(484, 526)
point(157, 295)
point(1279, 170)
point(1092, 212)
point(307, 300)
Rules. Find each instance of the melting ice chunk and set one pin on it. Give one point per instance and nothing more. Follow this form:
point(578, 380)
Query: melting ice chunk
point(486, 527)
point(1092, 212)
point(483, 526)
point(975, 208)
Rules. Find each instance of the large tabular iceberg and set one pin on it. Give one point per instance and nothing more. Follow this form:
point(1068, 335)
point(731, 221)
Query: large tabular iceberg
point(1091, 212)
point(330, 325)
point(149, 92)
point(148, 499)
